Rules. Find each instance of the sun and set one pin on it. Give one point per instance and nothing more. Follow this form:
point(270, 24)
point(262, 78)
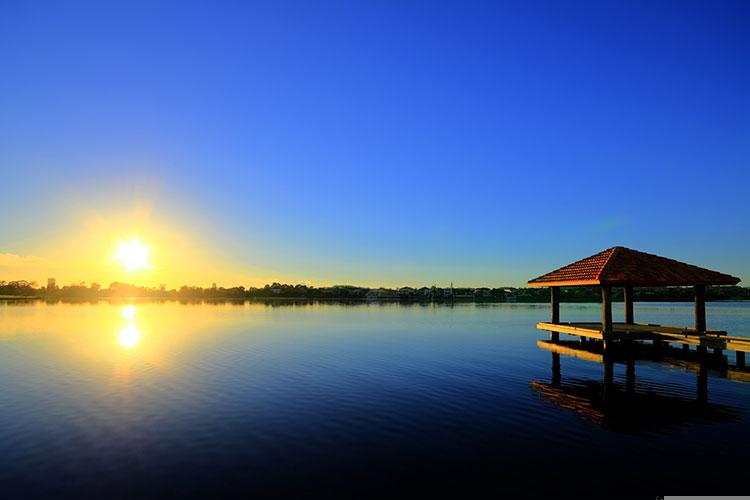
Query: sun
point(133, 255)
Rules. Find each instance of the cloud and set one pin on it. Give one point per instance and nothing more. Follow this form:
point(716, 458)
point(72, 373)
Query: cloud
point(11, 260)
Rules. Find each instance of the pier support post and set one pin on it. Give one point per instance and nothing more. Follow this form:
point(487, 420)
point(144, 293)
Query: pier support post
point(555, 336)
point(609, 369)
point(630, 374)
point(556, 375)
point(606, 308)
point(740, 359)
point(700, 308)
point(554, 296)
point(702, 382)
point(686, 347)
point(628, 297)
point(609, 377)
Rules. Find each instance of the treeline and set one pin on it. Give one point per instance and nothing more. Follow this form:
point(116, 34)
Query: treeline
point(21, 289)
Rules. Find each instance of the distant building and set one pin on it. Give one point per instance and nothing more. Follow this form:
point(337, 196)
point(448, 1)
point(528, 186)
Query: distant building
point(51, 284)
point(382, 294)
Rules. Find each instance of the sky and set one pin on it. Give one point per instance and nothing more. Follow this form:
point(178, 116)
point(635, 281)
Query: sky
point(370, 143)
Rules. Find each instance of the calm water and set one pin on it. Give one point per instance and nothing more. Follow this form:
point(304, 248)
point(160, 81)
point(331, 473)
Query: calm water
point(302, 400)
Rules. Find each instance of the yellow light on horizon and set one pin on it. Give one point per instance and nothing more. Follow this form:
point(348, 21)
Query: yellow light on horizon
point(133, 255)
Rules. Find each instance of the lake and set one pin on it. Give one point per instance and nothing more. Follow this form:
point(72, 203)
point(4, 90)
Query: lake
point(290, 400)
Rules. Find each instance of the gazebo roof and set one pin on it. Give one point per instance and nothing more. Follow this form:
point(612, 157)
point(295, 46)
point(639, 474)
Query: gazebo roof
point(620, 266)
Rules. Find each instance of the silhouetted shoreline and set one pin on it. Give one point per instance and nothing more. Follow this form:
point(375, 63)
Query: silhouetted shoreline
point(16, 290)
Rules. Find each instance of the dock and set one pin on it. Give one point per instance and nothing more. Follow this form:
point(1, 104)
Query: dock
point(628, 269)
point(710, 339)
point(618, 405)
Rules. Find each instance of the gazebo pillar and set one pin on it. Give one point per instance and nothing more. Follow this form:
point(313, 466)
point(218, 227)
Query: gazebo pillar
point(554, 296)
point(554, 301)
point(629, 313)
point(700, 308)
point(606, 308)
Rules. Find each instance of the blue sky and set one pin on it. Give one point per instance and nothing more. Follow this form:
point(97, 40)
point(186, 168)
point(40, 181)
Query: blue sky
point(482, 143)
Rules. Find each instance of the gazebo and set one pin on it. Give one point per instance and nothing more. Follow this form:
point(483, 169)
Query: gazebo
point(626, 268)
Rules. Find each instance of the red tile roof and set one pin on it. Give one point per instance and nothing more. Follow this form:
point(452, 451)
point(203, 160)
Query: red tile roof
point(620, 266)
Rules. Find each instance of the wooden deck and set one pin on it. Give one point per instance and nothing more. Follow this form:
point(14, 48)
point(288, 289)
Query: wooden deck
point(715, 339)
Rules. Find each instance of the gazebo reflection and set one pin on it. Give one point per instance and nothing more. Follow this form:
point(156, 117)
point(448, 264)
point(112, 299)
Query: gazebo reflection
point(620, 407)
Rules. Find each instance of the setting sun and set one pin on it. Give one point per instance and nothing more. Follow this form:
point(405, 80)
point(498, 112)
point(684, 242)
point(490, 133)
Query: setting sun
point(133, 255)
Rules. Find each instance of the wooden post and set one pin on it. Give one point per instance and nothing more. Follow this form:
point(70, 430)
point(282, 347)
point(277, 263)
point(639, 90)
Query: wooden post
point(700, 308)
point(630, 374)
point(556, 375)
point(686, 347)
point(702, 381)
point(609, 369)
point(554, 295)
point(609, 376)
point(555, 336)
point(740, 359)
point(628, 296)
point(606, 309)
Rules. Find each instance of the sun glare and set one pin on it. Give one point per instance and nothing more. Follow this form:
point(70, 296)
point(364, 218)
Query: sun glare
point(128, 312)
point(129, 336)
point(133, 255)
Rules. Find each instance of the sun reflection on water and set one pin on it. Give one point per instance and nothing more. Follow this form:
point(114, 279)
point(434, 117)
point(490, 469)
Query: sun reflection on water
point(128, 312)
point(129, 335)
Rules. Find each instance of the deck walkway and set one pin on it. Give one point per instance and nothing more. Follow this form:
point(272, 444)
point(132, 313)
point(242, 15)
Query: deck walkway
point(714, 339)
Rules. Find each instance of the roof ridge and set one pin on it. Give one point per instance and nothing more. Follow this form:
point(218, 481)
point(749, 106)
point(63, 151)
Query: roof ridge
point(612, 251)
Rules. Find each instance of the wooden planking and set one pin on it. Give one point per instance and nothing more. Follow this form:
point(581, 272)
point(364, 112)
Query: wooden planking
point(714, 339)
point(740, 344)
point(570, 329)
